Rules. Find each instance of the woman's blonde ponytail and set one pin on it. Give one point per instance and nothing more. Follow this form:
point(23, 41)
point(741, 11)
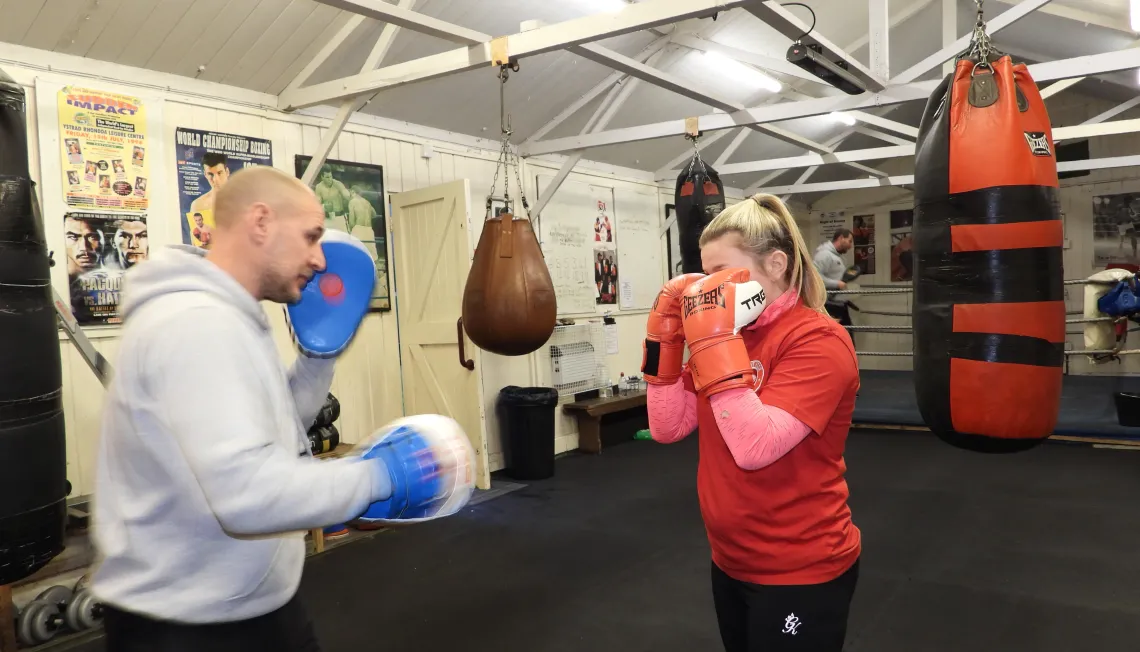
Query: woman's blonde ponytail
point(804, 276)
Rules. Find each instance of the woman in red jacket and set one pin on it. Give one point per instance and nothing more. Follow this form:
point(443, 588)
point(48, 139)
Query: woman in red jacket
point(771, 383)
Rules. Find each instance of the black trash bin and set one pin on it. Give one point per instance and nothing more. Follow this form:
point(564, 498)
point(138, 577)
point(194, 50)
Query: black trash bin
point(526, 423)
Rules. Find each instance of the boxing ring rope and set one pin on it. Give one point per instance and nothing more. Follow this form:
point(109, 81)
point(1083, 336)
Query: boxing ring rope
point(1067, 353)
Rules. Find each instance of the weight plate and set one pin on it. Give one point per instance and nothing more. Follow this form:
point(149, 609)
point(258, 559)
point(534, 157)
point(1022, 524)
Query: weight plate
point(83, 613)
point(38, 623)
point(334, 438)
point(59, 595)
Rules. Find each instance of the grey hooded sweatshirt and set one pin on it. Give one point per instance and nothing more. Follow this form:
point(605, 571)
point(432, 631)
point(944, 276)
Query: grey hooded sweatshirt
point(204, 479)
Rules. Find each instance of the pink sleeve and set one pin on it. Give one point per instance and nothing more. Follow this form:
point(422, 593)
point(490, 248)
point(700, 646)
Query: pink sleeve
point(672, 412)
point(756, 434)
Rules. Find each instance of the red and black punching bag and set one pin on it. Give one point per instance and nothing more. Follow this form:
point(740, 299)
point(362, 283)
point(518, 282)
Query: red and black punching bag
point(697, 198)
point(989, 310)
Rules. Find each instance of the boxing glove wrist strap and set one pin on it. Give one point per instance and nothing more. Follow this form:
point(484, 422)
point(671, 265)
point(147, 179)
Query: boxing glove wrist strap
point(661, 362)
point(720, 366)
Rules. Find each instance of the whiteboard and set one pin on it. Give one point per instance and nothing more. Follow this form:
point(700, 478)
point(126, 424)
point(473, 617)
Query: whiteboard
point(587, 228)
point(639, 247)
point(566, 226)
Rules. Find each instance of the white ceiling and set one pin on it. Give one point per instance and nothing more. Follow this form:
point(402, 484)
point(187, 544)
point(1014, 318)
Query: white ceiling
point(262, 44)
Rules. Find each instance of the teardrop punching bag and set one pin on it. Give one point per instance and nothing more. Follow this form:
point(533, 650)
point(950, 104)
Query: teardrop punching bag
point(33, 462)
point(698, 198)
point(509, 305)
point(989, 311)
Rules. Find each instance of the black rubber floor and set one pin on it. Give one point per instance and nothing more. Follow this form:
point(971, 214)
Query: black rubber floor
point(962, 553)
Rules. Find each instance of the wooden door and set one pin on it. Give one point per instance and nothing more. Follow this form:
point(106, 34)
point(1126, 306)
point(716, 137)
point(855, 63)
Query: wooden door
point(432, 258)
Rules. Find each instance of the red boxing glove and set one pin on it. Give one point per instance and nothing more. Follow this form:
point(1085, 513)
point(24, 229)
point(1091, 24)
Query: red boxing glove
point(713, 311)
point(664, 339)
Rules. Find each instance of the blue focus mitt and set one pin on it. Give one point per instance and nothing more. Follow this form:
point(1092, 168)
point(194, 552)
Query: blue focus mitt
point(430, 464)
point(334, 301)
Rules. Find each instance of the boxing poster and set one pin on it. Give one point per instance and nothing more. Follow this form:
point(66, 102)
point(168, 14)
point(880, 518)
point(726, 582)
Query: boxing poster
point(605, 248)
point(353, 198)
point(104, 148)
point(863, 232)
point(902, 245)
point(1116, 227)
point(829, 223)
point(101, 247)
point(206, 159)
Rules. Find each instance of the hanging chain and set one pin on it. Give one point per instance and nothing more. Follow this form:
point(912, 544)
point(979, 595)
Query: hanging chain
point(506, 154)
point(981, 47)
point(696, 140)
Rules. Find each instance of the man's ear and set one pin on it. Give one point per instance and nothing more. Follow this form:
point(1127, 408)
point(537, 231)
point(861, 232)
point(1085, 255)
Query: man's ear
point(260, 217)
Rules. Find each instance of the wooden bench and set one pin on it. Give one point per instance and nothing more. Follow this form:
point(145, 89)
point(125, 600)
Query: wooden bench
point(626, 412)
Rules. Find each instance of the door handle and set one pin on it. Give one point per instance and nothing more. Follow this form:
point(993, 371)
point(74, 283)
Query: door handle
point(469, 365)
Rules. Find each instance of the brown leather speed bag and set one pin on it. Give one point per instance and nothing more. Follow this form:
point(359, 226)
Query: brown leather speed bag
point(509, 306)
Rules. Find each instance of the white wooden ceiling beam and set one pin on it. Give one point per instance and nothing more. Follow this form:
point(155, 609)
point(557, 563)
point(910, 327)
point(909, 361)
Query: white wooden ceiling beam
point(1011, 16)
point(949, 31)
point(737, 141)
point(353, 104)
point(601, 87)
point(899, 17)
point(884, 123)
point(560, 36)
point(601, 118)
point(880, 38)
point(771, 64)
point(895, 94)
point(790, 25)
point(704, 142)
point(881, 135)
point(413, 20)
point(906, 180)
point(325, 52)
point(897, 151)
point(1084, 16)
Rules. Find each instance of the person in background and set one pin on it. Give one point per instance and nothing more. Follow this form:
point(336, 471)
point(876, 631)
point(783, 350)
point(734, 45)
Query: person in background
point(770, 385)
point(829, 262)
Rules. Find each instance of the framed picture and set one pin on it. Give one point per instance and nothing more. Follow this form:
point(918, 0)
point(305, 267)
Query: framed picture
point(355, 202)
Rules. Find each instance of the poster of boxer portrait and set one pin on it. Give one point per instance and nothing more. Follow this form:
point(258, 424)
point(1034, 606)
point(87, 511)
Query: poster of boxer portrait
point(206, 159)
point(101, 247)
point(354, 201)
point(104, 142)
point(863, 232)
point(1116, 228)
point(902, 245)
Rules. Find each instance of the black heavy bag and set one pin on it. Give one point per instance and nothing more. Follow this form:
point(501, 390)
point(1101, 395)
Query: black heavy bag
point(33, 462)
point(989, 311)
point(698, 198)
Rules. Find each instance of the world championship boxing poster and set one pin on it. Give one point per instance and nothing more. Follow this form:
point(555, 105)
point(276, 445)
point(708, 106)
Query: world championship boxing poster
point(353, 197)
point(206, 159)
point(104, 149)
point(101, 247)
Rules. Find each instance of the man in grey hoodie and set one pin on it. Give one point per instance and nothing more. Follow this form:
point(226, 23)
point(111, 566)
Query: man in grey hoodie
point(829, 261)
point(204, 482)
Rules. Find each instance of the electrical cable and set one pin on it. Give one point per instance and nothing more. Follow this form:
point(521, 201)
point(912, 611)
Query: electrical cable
point(810, 29)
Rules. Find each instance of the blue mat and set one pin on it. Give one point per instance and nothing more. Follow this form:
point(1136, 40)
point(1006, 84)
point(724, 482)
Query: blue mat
point(1087, 406)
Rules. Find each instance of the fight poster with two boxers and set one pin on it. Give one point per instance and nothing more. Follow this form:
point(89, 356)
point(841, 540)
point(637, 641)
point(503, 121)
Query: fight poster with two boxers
point(100, 248)
point(205, 160)
point(352, 195)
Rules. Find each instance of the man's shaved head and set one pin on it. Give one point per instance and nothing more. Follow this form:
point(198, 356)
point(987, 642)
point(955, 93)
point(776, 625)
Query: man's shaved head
point(269, 228)
point(255, 184)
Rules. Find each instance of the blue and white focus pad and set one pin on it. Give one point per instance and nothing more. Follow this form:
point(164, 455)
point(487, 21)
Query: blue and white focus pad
point(432, 466)
point(334, 301)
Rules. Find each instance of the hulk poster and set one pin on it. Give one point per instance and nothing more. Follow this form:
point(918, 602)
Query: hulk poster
point(352, 195)
point(206, 159)
point(104, 155)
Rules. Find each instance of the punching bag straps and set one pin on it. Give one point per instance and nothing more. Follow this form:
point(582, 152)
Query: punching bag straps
point(506, 242)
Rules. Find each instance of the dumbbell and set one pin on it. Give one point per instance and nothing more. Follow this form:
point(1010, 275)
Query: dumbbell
point(55, 609)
